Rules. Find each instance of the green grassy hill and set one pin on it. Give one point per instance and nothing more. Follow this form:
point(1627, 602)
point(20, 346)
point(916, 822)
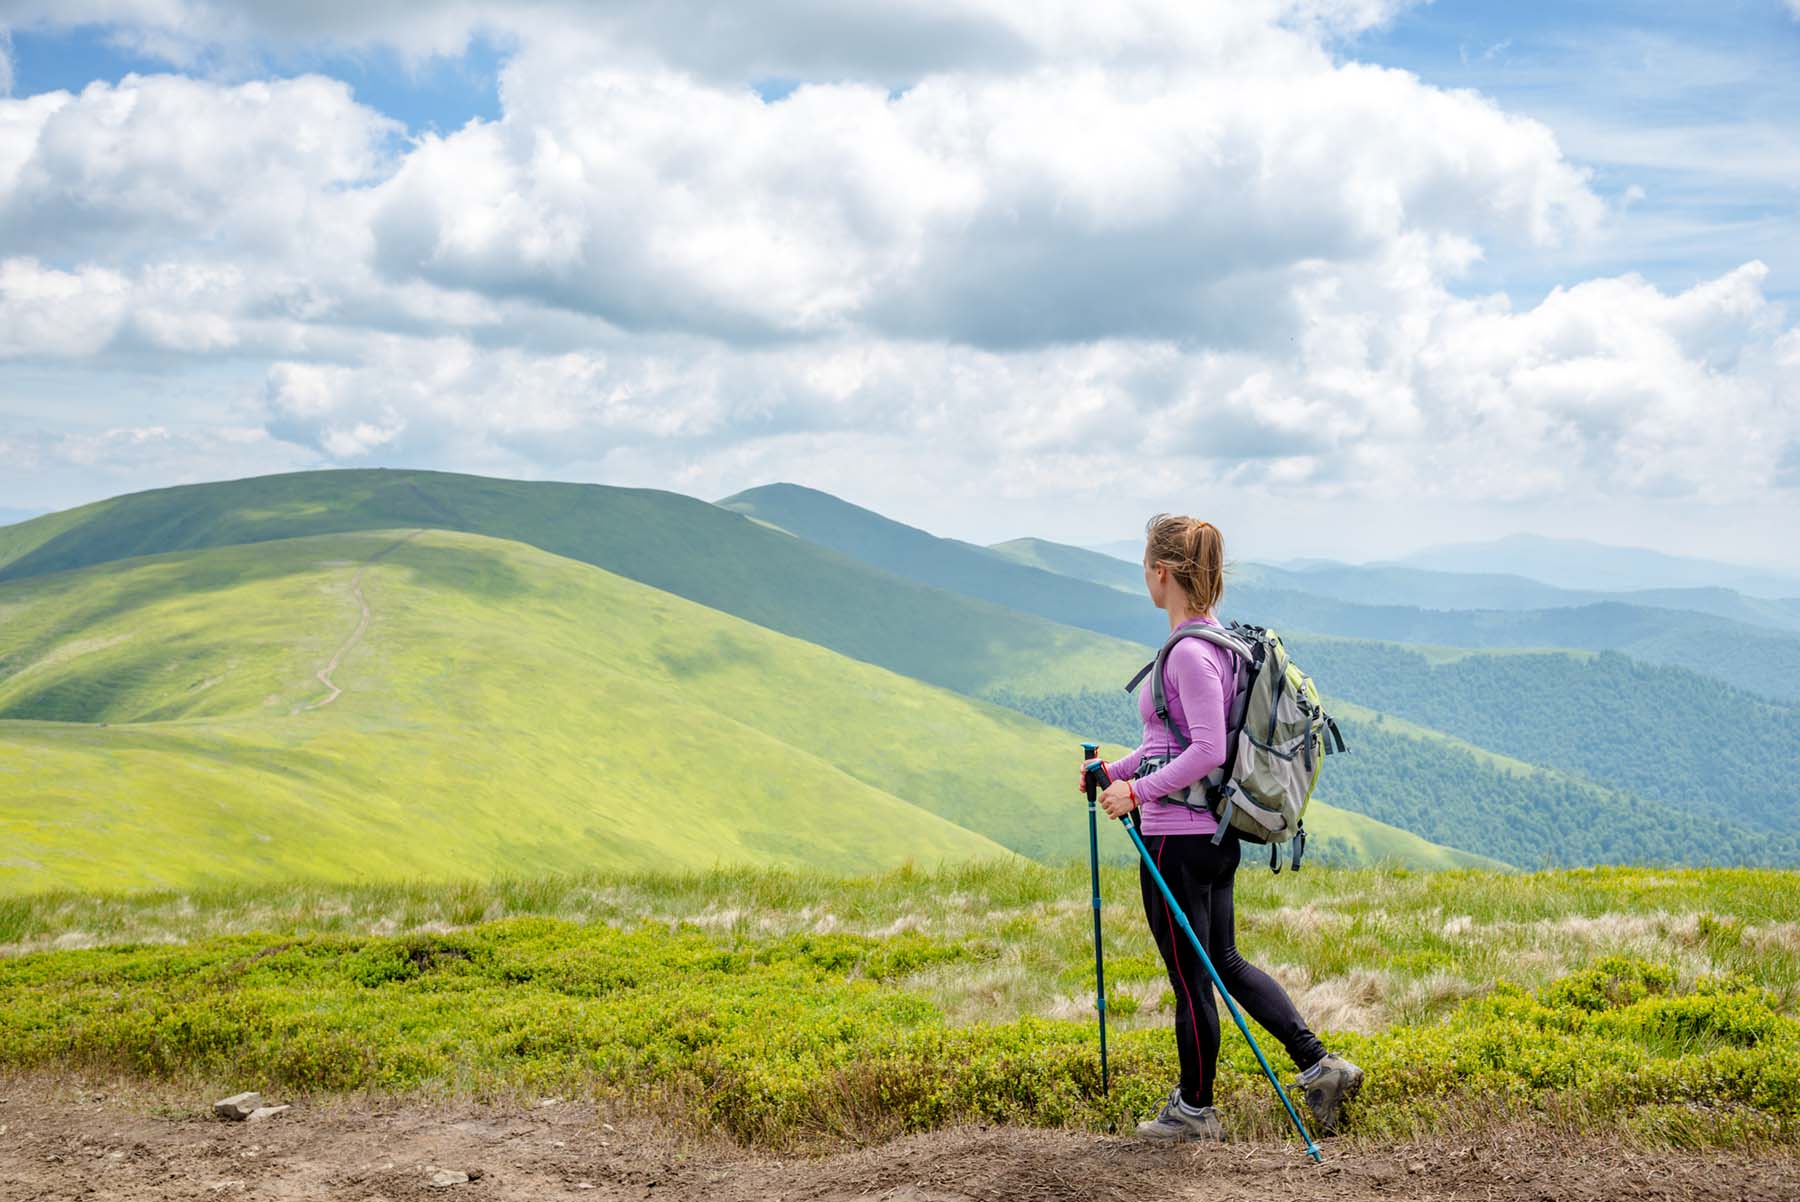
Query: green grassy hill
point(1392, 584)
point(504, 711)
point(669, 541)
point(1074, 562)
point(769, 577)
point(1755, 659)
point(1749, 643)
point(948, 563)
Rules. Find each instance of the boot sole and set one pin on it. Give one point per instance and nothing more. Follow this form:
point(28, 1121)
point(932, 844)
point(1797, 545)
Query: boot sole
point(1186, 1137)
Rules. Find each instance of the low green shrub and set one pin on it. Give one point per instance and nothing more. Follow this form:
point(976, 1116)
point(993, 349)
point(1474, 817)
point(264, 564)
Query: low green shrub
point(804, 1036)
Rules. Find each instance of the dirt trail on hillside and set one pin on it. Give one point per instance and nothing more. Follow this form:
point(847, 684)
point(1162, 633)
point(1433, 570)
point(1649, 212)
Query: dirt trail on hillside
point(362, 624)
point(60, 1140)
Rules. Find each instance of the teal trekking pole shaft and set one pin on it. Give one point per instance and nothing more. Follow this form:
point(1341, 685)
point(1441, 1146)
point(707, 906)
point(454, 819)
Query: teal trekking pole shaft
point(1206, 960)
point(1088, 752)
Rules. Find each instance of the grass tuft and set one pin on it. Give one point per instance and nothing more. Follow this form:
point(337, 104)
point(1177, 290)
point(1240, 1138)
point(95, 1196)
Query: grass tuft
point(1666, 1014)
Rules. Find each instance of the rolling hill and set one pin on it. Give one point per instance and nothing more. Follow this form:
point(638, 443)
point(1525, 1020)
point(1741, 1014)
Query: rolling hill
point(1629, 747)
point(948, 563)
point(1450, 781)
point(1725, 757)
point(1376, 584)
point(1584, 564)
point(502, 711)
point(1763, 638)
point(666, 540)
point(1074, 562)
point(843, 577)
point(1459, 794)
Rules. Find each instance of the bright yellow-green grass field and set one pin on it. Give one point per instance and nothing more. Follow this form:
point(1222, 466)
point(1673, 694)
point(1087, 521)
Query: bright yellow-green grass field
point(506, 711)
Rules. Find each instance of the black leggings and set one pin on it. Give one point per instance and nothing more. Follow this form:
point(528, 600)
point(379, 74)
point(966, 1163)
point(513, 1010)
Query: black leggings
point(1199, 874)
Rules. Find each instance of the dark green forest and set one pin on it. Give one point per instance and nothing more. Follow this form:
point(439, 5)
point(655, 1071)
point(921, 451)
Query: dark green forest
point(1447, 794)
point(1662, 733)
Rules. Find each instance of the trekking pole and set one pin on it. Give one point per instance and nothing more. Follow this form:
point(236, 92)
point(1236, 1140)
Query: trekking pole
point(1206, 960)
point(1088, 752)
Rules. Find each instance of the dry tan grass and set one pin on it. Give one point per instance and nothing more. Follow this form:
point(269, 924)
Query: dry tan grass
point(1636, 932)
point(982, 992)
point(1300, 922)
point(712, 920)
point(1351, 1002)
point(1781, 937)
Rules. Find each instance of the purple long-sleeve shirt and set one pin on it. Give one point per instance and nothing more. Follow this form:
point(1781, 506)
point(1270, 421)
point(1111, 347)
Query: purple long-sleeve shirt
point(1199, 678)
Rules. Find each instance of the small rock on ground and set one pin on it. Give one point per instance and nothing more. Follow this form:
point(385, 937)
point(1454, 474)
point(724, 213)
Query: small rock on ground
point(238, 1106)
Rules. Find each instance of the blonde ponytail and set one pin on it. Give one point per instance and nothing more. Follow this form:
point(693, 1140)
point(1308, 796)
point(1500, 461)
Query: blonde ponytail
point(1194, 552)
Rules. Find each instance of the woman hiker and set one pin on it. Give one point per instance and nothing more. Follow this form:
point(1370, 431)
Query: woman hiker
point(1184, 570)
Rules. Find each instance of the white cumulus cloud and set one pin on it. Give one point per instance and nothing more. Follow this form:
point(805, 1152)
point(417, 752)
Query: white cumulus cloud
point(48, 312)
point(1073, 255)
point(1057, 206)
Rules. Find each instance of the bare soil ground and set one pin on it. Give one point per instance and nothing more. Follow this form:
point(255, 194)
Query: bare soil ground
point(63, 1139)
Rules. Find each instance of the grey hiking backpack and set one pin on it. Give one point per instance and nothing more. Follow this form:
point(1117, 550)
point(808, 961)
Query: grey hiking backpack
point(1277, 737)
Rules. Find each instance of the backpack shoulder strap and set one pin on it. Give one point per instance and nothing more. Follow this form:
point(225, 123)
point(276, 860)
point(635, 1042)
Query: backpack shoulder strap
point(1211, 634)
point(1159, 700)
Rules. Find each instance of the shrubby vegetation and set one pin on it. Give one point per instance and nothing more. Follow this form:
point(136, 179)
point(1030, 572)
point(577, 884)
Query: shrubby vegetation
point(1661, 1006)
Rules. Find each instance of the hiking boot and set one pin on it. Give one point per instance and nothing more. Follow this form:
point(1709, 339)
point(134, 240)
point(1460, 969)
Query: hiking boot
point(1335, 1083)
point(1176, 1124)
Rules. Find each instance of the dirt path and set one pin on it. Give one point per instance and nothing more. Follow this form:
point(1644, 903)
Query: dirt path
point(59, 1140)
point(324, 674)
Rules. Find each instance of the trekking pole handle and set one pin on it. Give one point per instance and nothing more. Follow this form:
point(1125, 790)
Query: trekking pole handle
point(1096, 777)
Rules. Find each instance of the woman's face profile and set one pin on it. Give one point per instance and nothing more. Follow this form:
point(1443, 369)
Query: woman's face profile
point(1151, 583)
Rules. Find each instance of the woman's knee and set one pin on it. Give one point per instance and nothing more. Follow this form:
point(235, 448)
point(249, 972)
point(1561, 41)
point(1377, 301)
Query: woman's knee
point(1231, 964)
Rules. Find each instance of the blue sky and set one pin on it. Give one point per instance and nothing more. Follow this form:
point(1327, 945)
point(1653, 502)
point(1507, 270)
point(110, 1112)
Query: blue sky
point(1694, 103)
point(1686, 102)
point(435, 93)
point(1034, 270)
